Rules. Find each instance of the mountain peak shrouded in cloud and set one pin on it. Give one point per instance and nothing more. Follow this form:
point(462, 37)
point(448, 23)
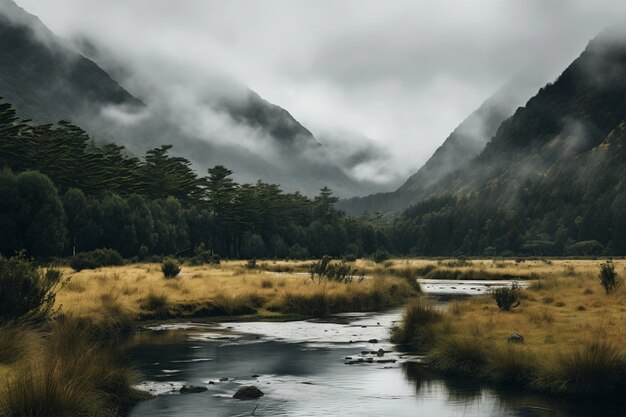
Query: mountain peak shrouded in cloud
point(44, 78)
point(464, 143)
point(209, 119)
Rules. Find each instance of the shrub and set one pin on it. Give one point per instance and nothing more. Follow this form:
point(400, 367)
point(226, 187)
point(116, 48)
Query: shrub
point(215, 259)
point(251, 263)
point(170, 268)
point(380, 256)
point(143, 252)
point(325, 269)
point(349, 258)
point(507, 297)
point(26, 292)
point(96, 259)
point(608, 277)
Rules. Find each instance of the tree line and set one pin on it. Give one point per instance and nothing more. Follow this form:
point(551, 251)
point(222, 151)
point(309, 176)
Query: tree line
point(62, 193)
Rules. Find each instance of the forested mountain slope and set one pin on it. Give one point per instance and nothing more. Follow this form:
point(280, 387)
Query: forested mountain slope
point(551, 181)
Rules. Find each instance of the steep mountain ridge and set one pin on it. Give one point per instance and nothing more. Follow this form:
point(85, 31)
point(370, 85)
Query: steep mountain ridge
point(464, 143)
point(550, 182)
point(48, 81)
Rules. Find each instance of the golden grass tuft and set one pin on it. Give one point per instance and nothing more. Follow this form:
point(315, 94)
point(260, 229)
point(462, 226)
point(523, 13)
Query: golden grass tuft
point(65, 373)
point(574, 333)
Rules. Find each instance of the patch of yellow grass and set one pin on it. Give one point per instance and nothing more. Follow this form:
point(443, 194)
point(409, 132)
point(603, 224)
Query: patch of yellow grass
point(562, 317)
point(133, 292)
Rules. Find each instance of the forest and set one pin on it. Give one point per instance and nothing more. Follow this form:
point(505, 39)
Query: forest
point(64, 193)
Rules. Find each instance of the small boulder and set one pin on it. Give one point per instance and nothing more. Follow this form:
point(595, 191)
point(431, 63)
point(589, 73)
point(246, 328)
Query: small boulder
point(190, 389)
point(248, 392)
point(380, 352)
point(515, 338)
point(372, 341)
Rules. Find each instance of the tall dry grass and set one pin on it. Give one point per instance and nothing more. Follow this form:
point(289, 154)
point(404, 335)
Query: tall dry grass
point(139, 292)
point(574, 334)
point(62, 372)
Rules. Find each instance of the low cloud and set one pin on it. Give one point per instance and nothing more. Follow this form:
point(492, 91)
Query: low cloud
point(403, 75)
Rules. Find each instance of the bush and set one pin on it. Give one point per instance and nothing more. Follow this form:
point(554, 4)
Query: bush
point(380, 256)
point(215, 259)
point(26, 292)
point(143, 252)
point(325, 269)
point(349, 258)
point(170, 268)
point(96, 259)
point(608, 277)
point(251, 263)
point(507, 297)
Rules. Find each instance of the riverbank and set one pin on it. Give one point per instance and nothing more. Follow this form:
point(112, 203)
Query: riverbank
point(71, 365)
point(573, 337)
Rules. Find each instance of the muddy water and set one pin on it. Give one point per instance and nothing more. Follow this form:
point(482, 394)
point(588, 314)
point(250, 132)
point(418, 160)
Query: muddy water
point(315, 368)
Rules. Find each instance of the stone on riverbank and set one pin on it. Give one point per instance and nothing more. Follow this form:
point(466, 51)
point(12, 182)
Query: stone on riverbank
point(515, 338)
point(248, 392)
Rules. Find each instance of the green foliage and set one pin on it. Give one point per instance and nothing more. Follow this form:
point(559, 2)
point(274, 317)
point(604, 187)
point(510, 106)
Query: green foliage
point(380, 256)
point(506, 297)
point(608, 277)
point(215, 259)
point(96, 259)
point(32, 214)
point(26, 292)
point(170, 268)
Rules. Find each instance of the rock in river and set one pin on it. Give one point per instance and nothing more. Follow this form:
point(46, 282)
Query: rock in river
point(190, 389)
point(248, 392)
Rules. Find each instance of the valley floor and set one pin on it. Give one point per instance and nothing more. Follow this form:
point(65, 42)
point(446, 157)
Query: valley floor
point(574, 334)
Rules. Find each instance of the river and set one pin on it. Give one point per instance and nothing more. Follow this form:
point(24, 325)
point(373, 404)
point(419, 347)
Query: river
point(316, 368)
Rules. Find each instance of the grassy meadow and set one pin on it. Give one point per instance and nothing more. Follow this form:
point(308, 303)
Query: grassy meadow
point(574, 333)
point(118, 296)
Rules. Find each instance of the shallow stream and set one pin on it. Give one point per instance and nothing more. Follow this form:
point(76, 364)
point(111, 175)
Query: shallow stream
point(345, 366)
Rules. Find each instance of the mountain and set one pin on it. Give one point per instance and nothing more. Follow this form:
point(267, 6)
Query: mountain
point(551, 180)
point(48, 80)
point(460, 147)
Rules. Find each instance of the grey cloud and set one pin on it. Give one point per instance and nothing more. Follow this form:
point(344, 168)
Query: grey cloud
point(403, 73)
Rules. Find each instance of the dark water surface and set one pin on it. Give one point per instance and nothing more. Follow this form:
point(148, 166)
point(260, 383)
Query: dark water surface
point(300, 366)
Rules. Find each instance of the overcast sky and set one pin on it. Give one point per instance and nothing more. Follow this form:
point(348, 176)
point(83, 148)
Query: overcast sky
point(401, 72)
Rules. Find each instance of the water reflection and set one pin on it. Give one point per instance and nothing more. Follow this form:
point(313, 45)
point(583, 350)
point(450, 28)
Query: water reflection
point(479, 400)
point(303, 377)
